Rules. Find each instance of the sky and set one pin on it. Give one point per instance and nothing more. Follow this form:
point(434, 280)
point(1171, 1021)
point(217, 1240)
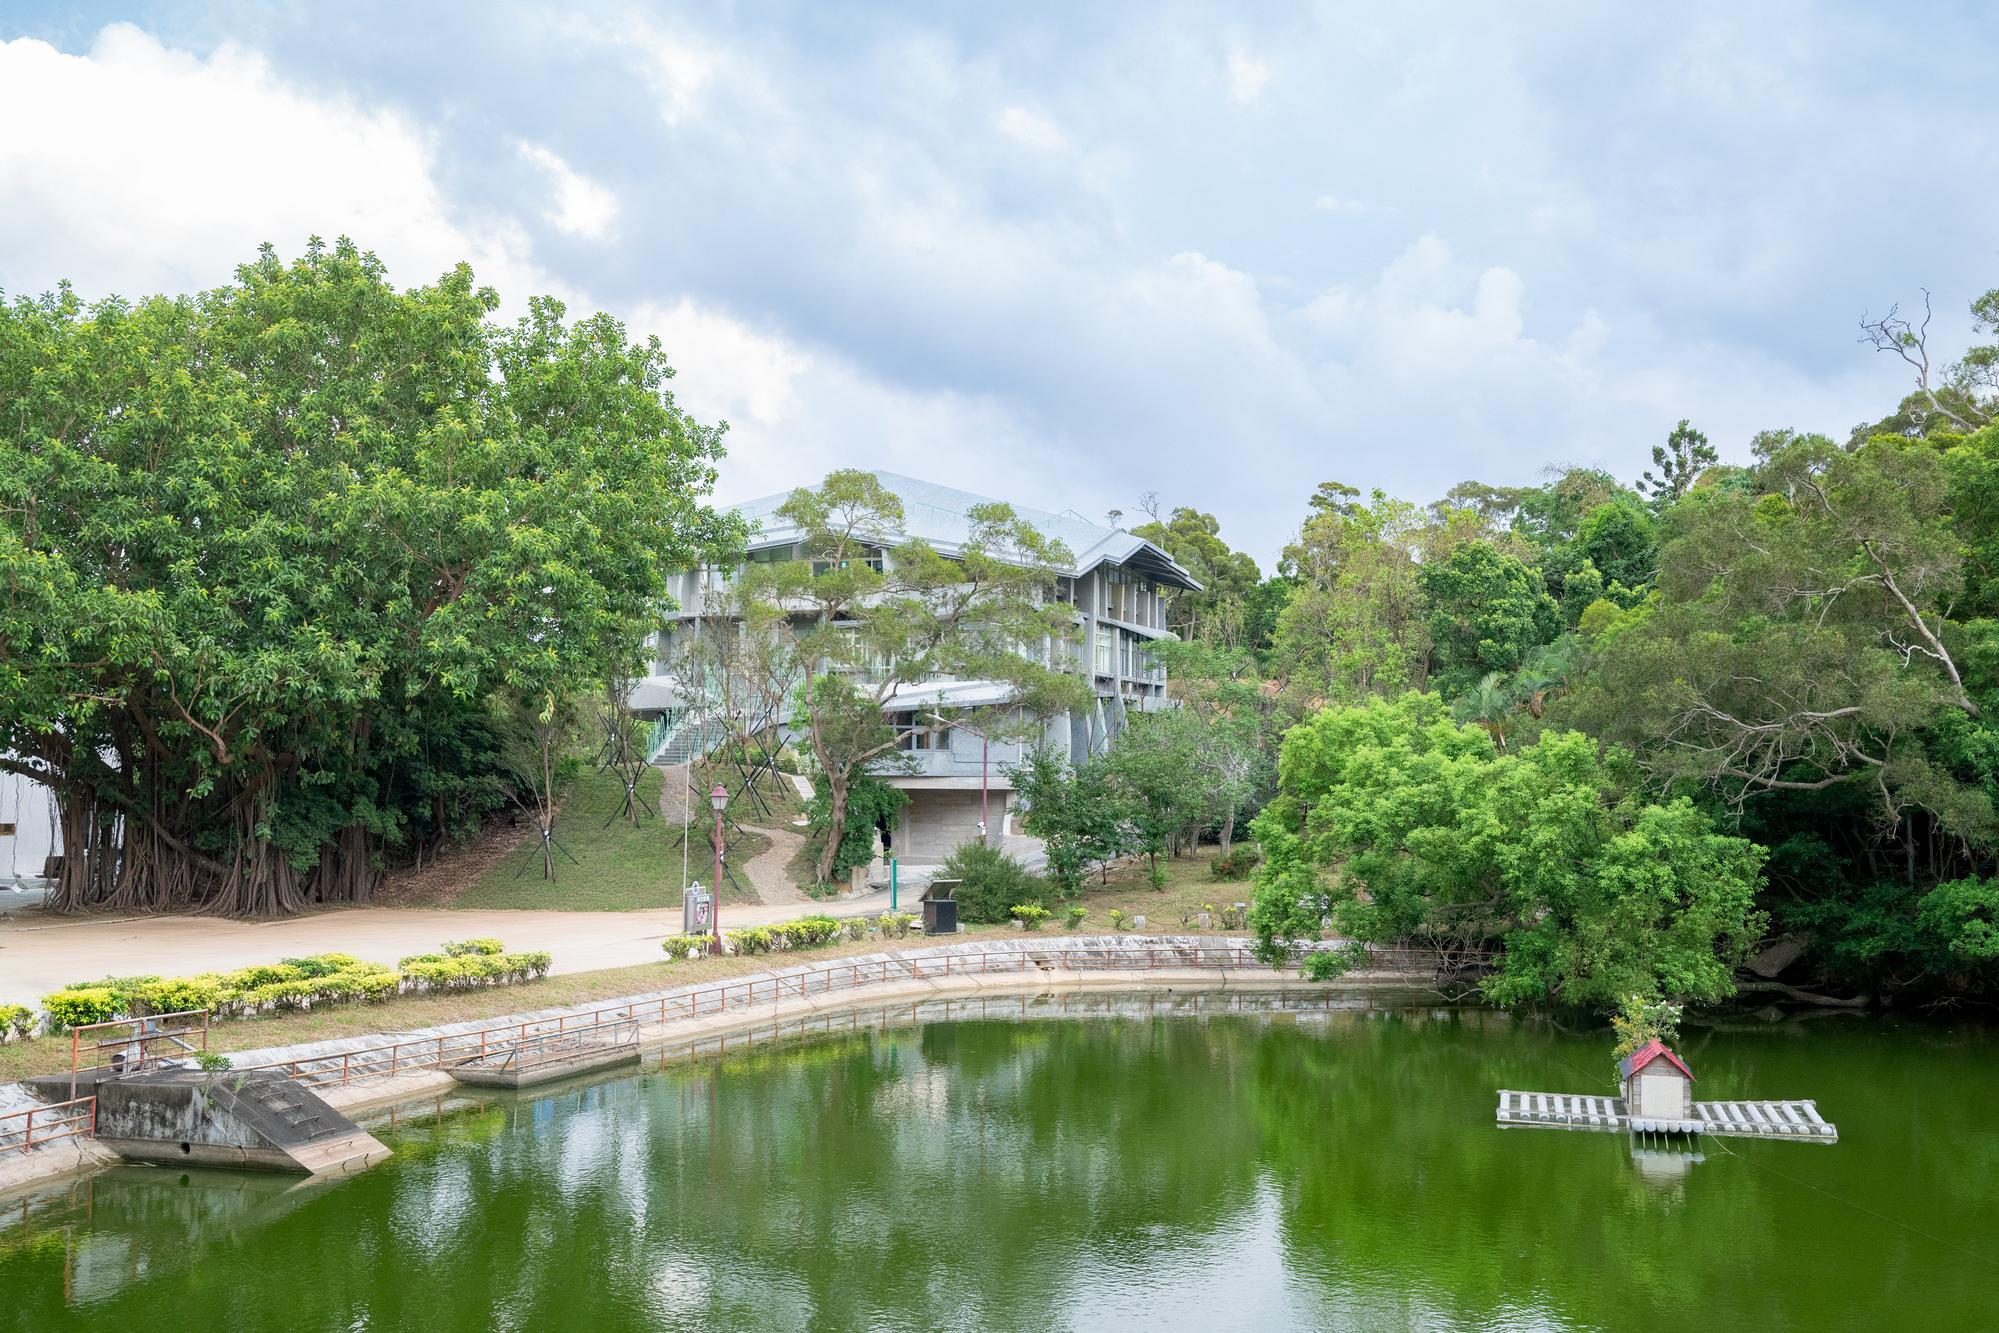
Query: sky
point(1072, 255)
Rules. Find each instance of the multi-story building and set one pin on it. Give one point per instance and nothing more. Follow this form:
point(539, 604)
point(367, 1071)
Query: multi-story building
point(1116, 585)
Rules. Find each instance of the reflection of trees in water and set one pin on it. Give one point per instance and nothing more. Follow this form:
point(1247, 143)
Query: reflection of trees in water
point(988, 1174)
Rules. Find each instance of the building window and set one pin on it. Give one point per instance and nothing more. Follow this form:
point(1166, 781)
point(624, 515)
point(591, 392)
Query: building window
point(1105, 649)
point(913, 733)
point(872, 559)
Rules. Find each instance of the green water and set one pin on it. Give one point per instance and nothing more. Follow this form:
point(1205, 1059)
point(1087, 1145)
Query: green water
point(1208, 1172)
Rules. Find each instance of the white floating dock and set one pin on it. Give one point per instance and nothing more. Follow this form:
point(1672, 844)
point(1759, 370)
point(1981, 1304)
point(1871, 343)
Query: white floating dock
point(1750, 1120)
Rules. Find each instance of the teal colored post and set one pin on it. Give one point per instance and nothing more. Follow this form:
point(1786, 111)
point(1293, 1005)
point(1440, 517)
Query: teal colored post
point(892, 865)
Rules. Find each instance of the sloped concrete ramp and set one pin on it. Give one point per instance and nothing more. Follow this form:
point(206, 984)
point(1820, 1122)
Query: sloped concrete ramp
point(257, 1118)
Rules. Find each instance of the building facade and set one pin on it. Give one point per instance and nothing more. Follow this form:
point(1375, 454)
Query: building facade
point(1116, 585)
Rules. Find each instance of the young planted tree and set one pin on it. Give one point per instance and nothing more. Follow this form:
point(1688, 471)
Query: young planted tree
point(874, 612)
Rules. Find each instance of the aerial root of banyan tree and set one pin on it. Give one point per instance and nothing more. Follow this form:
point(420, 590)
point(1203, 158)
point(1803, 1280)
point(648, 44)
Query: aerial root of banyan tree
point(113, 862)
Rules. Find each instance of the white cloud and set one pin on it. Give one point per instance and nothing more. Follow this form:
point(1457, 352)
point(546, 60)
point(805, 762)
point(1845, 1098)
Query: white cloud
point(1031, 129)
point(1247, 76)
point(582, 206)
point(136, 169)
point(1332, 203)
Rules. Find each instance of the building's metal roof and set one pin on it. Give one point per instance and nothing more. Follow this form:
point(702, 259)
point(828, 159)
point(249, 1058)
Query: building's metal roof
point(937, 515)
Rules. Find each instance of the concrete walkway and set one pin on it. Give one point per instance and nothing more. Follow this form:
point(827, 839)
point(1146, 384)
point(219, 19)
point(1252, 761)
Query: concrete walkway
point(38, 956)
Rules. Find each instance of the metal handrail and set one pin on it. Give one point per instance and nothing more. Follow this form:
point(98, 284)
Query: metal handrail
point(146, 1033)
point(434, 1052)
point(41, 1125)
point(548, 1047)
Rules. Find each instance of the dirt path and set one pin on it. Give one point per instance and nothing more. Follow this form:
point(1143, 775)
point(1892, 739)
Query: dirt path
point(767, 870)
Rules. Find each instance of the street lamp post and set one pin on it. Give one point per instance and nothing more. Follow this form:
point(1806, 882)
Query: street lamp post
point(985, 751)
point(719, 799)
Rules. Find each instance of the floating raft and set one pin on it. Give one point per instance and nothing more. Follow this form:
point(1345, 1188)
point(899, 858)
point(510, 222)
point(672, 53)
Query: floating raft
point(1747, 1120)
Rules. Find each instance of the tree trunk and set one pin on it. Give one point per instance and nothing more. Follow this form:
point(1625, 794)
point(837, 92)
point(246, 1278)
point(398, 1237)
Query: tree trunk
point(836, 825)
point(1228, 831)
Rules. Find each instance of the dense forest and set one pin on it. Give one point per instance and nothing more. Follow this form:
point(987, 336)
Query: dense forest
point(1786, 670)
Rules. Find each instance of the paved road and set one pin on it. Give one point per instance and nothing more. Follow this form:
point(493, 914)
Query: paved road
point(38, 954)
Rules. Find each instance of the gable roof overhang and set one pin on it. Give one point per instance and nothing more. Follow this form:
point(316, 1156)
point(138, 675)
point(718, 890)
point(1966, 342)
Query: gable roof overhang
point(938, 515)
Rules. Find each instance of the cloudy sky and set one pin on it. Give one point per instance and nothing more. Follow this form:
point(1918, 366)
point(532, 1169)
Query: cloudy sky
point(1069, 254)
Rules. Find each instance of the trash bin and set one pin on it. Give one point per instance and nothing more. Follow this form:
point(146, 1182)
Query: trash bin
point(940, 908)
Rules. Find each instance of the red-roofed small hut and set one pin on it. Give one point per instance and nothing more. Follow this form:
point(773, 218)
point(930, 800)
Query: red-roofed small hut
point(1657, 1084)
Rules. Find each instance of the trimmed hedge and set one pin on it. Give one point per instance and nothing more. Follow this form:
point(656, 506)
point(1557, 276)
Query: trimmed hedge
point(16, 1021)
point(293, 983)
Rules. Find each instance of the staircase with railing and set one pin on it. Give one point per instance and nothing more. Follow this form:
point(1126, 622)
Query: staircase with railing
point(682, 740)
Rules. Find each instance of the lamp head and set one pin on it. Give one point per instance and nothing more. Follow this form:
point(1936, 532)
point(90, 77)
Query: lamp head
point(719, 798)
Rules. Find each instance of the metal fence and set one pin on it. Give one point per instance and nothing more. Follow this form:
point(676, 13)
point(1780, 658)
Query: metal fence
point(548, 1048)
point(131, 1044)
point(387, 1059)
point(25, 1131)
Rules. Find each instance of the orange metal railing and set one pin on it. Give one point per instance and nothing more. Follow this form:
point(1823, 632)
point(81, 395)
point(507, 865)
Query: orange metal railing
point(131, 1044)
point(388, 1059)
point(25, 1131)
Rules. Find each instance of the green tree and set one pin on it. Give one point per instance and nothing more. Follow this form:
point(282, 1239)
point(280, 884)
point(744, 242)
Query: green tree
point(1218, 610)
point(268, 543)
point(1680, 460)
point(1077, 811)
point(1798, 640)
point(1394, 824)
point(1354, 622)
point(1486, 611)
point(876, 611)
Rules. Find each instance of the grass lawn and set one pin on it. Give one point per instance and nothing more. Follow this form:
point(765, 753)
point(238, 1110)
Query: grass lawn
point(618, 868)
point(1188, 886)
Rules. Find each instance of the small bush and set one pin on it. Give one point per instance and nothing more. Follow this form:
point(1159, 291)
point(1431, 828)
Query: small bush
point(486, 946)
point(894, 925)
point(1237, 862)
point(807, 932)
point(1074, 914)
point(1030, 915)
point(79, 1005)
point(686, 946)
point(213, 1061)
point(1119, 918)
point(262, 974)
point(16, 1021)
point(750, 939)
point(180, 995)
point(855, 928)
point(993, 883)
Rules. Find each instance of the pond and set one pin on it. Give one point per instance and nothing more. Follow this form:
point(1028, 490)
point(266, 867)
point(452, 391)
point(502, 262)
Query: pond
point(1089, 1165)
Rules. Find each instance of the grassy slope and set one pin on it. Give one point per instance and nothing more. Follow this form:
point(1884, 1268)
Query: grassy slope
point(622, 868)
point(1188, 887)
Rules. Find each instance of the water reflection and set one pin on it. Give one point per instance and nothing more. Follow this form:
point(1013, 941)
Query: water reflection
point(1184, 1169)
